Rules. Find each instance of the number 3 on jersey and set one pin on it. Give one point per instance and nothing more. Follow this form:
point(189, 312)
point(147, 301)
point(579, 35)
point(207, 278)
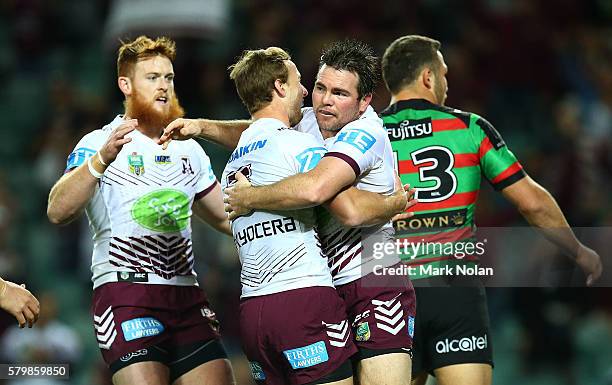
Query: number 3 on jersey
point(439, 171)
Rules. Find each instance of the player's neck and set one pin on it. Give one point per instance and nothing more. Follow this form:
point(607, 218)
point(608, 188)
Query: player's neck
point(410, 93)
point(274, 112)
point(328, 133)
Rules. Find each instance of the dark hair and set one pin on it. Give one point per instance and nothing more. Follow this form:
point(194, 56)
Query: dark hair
point(255, 73)
point(405, 58)
point(354, 56)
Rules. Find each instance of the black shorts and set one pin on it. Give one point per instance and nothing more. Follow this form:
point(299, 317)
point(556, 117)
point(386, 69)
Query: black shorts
point(178, 359)
point(452, 327)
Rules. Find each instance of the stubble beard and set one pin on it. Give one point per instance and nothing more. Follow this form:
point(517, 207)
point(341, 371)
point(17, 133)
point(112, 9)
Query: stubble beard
point(295, 116)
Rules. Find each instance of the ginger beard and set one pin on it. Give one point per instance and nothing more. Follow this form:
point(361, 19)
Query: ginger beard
point(137, 107)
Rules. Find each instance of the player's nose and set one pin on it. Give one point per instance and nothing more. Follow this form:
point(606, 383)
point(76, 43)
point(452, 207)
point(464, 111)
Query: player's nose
point(326, 99)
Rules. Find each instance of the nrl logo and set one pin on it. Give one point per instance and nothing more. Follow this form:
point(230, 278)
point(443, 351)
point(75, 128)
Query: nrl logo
point(136, 164)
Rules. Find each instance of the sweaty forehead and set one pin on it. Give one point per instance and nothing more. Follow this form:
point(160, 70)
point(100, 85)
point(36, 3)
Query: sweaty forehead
point(332, 77)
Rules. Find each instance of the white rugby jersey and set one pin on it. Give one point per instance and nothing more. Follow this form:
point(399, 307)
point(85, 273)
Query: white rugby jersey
point(364, 145)
point(140, 214)
point(278, 249)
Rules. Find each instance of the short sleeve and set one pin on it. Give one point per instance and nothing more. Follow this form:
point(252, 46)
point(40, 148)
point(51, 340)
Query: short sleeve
point(85, 149)
point(498, 163)
point(207, 179)
point(361, 148)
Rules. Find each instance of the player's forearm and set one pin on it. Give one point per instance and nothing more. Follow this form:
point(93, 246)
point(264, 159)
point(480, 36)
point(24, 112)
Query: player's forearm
point(222, 226)
point(546, 215)
point(217, 221)
point(225, 133)
point(296, 192)
point(358, 208)
point(70, 195)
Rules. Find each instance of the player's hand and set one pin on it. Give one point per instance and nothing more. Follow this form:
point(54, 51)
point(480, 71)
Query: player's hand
point(590, 262)
point(179, 129)
point(116, 140)
point(19, 302)
point(235, 197)
point(406, 196)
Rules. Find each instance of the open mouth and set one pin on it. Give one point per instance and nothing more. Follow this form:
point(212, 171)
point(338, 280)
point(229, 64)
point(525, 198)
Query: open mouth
point(162, 99)
point(326, 113)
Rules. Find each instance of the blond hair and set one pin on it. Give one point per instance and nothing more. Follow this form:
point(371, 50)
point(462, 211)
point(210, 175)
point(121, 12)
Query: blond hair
point(143, 47)
point(254, 75)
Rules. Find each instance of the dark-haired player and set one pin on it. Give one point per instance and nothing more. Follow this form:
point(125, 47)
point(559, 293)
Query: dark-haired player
point(381, 309)
point(443, 152)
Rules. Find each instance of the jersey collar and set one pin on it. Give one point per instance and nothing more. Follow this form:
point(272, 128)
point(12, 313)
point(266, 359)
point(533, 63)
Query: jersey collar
point(413, 104)
point(267, 124)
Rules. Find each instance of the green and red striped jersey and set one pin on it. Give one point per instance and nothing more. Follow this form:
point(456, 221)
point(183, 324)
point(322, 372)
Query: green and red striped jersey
point(443, 152)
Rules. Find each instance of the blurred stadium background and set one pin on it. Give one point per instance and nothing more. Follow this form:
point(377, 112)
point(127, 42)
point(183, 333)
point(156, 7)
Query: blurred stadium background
point(540, 71)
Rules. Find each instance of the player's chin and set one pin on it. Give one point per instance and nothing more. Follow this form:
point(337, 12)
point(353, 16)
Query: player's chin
point(161, 107)
point(327, 122)
point(295, 118)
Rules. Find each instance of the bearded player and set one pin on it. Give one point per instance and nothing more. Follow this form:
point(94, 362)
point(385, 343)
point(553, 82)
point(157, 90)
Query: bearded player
point(153, 323)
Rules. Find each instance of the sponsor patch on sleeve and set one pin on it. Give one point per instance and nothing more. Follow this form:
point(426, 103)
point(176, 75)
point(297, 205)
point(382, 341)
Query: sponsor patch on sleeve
point(307, 356)
point(310, 157)
point(360, 139)
point(78, 157)
point(141, 327)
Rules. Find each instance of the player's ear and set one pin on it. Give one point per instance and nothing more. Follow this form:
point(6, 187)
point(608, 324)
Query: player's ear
point(427, 78)
point(364, 103)
point(279, 87)
point(125, 85)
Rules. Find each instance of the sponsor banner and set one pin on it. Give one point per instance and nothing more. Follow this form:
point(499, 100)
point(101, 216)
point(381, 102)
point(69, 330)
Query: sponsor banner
point(307, 356)
point(466, 344)
point(141, 328)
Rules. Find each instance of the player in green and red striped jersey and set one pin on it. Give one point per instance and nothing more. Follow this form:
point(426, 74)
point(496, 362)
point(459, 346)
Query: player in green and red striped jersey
point(443, 153)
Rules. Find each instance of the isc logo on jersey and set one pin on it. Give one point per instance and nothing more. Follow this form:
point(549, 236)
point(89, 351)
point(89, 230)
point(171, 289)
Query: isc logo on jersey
point(409, 129)
point(467, 344)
